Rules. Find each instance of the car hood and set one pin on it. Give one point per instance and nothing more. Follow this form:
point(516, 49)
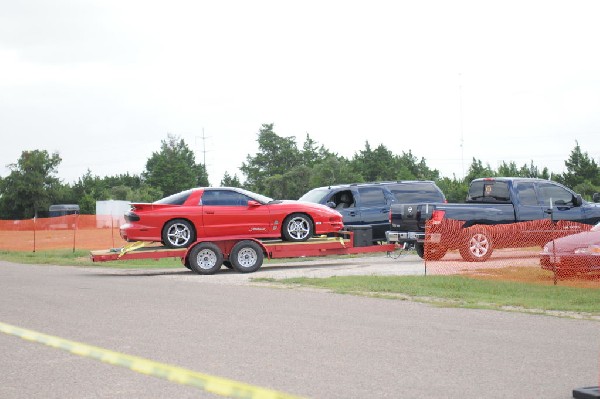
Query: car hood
point(307, 205)
point(570, 243)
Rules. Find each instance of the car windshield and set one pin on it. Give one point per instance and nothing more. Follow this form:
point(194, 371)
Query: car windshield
point(175, 199)
point(315, 195)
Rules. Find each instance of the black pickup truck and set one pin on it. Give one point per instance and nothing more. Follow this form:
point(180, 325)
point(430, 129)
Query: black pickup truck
point(491, 202)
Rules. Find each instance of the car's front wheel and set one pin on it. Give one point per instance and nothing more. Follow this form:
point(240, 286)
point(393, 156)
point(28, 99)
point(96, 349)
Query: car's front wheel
point(297, 227)
point(178, 233)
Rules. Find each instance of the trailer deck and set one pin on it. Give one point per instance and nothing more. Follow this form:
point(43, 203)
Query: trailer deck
point(242, 253)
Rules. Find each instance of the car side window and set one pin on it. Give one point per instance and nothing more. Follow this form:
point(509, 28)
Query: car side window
point(554, 195)
point(223, 198)
point(526, 193)
point(372, 196)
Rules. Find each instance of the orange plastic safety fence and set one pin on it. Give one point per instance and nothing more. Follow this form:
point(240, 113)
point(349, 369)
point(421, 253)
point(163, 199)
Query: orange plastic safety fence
point(64, 232)
point(540, 251)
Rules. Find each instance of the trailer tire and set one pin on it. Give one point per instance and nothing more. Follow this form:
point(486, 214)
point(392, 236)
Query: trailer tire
point(246, 256)
point(476, 246)
point(205, 258)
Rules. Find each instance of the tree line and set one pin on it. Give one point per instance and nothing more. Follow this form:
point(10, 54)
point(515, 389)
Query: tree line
point(280, 169)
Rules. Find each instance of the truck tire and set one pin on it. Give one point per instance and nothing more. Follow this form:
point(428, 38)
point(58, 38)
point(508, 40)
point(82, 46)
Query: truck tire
point(205, 258)
point(476, 246)
point(246, 256)
point(434, 251)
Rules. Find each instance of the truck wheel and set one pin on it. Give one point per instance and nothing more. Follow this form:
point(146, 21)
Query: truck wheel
point(297, 227)
point(434, 251)
point(178, 233)
point(477, 246)
point(205, 258)
point(246, 256)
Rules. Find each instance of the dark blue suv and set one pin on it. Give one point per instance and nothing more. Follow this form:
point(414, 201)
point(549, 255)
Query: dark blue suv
point(368, 204)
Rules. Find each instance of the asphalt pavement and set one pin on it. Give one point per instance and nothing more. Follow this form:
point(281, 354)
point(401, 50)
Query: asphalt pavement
point(305, 342)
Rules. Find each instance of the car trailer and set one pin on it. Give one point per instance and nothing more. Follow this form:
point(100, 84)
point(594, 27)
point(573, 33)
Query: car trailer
point(243, 254)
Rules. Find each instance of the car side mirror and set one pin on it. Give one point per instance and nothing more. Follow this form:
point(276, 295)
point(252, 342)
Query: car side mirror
point(253, 203)
point(577, 200)
point(331, 204)
point(596, 197)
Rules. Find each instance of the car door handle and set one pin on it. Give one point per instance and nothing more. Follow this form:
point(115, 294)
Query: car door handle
point(209, 212)
point(352, 213)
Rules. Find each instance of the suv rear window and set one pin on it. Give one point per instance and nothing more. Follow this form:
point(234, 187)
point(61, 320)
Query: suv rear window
point(409, 193)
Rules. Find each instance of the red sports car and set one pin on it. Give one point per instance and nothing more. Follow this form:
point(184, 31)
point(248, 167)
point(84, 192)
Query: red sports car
point(180, 219)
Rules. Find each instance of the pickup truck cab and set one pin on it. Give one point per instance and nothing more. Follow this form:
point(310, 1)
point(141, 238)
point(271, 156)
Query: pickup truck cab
point(368, 204)
point(490, 201)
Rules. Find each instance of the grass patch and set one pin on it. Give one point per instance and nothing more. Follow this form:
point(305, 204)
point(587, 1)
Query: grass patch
point(461, 291)
point(82, 258)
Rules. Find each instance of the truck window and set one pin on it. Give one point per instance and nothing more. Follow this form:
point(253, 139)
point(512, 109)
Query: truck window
point(488, 191)
point(556, 194)
point(372, 196)
point(526, 193)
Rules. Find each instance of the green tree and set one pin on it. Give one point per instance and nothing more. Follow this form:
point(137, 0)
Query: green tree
point(229, 181)
point(276, 156)
point(581, 169)
point(477, 170)
point(375, 165)
point(31, 185)
point(173, 168)
point(87, 190)
point(454, 189)
point(417, 169)
point(333, 170)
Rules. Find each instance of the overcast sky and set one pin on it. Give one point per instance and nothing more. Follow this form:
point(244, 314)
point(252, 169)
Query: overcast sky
point(103, 82)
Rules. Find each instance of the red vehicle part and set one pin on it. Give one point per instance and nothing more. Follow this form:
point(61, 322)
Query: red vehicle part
point(241, 253)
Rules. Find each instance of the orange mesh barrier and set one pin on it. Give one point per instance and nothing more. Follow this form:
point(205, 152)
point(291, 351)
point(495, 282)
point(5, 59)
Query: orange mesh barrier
point(63, 232)
point(539, 251)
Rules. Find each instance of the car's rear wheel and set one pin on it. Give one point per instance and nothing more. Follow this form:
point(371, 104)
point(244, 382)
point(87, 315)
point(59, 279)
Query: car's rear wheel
point(205, 258)
point(297, 227)
point(178, 233)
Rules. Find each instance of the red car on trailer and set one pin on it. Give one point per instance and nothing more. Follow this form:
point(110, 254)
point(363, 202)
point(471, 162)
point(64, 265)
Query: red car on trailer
point(183, 218)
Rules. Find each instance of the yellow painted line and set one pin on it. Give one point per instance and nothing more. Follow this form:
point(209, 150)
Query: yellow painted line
point(208, 383)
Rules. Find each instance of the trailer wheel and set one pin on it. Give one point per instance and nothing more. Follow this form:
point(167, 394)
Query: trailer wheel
point(477, 246)
point(246, 256)
point(434, 251)
point(205, 258)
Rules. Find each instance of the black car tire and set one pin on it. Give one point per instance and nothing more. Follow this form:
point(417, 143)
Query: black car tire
point(178, 233)
point(205, 258)
point(297, 227)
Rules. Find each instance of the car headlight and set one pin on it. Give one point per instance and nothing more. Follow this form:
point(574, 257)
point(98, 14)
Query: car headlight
point(589, 250)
